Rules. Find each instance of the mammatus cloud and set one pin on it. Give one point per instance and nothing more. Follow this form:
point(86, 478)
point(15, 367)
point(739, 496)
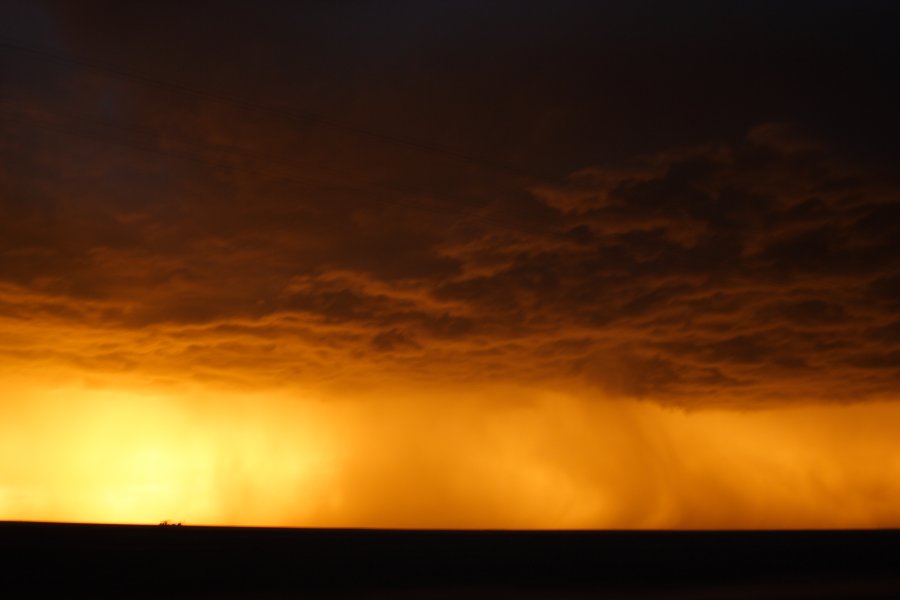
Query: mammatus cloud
point(750, 274)
point(746, 271)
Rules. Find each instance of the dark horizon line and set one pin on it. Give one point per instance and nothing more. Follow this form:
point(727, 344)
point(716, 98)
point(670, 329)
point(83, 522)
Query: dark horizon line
point(176, 524)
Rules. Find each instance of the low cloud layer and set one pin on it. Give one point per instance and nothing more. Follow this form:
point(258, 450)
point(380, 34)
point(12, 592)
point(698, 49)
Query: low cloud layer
point(760, 272)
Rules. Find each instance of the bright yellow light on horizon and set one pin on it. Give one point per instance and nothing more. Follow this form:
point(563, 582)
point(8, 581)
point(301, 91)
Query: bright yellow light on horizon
point(504, 458)
point(116, 456)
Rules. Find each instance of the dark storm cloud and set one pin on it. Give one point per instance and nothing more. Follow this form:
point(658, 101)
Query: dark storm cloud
point(738, 266)
point(484, 198)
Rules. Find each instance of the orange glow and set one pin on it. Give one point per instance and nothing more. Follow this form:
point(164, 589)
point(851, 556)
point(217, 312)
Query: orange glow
point(498, 458)
point(269, 277)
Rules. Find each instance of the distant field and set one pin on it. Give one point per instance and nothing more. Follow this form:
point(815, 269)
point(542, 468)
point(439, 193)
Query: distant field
point(217, 562)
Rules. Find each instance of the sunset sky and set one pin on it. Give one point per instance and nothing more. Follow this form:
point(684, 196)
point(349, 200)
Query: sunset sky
point(567, 264)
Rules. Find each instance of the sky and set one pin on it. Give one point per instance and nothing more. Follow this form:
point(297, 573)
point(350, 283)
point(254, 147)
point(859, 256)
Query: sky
point(450, 264)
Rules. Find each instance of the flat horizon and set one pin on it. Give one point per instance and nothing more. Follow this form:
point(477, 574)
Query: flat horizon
point(250, 562)
point(450, 529)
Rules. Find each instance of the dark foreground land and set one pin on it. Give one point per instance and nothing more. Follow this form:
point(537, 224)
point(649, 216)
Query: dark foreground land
point(218, 562)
